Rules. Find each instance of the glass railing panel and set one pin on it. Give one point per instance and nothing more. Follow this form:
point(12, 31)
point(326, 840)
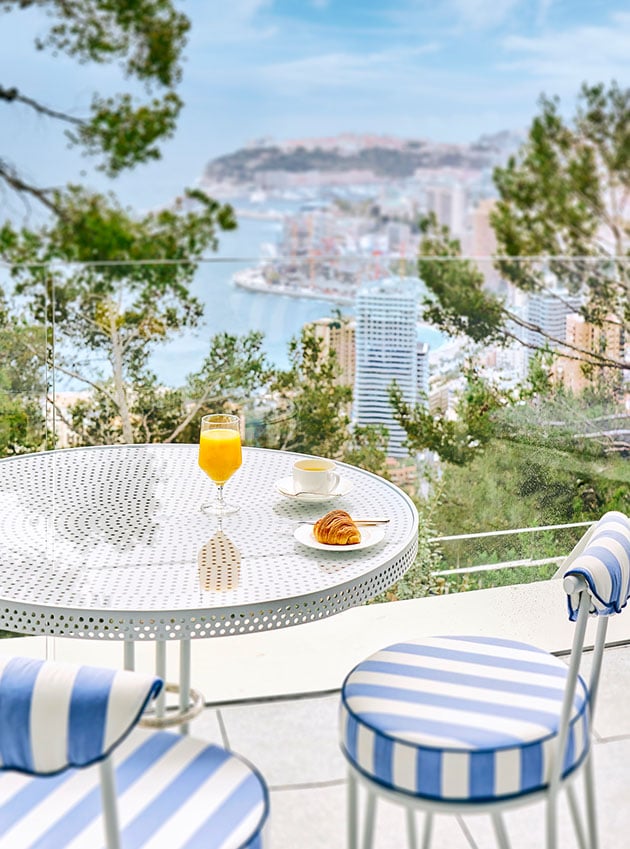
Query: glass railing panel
point(509, 426)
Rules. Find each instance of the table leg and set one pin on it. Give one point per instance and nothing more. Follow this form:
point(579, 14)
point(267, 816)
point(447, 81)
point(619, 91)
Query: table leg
point(160, 671)
point(184, 680)
point(51, 648)
point(129, 656)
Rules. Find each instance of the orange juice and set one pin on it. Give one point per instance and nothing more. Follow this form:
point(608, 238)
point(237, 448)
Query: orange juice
point(220, 453)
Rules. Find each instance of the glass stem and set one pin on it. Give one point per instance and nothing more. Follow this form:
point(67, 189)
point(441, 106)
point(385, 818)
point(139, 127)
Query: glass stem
point(220, 500)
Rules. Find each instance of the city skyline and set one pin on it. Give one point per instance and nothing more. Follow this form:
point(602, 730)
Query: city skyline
point(256, 68)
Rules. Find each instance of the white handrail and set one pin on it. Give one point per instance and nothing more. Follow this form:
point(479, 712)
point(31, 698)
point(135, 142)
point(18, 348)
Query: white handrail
point(511, 531)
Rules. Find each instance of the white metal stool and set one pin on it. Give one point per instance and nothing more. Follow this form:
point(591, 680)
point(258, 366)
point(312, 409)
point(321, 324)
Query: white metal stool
point(478, 725)
point(73, 770)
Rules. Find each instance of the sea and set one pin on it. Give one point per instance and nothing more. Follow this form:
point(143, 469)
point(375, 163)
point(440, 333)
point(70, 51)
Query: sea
point(228, 308)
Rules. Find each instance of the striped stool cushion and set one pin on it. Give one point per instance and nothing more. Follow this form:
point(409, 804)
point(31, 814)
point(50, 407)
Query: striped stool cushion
point(604, 563)
point(459, 718)
point(173, 792)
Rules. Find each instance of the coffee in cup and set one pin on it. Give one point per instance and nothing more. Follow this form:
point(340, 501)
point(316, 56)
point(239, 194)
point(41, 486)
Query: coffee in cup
point(315, 475)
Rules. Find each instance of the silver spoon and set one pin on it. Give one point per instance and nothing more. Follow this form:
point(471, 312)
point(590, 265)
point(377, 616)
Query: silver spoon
point(319, 494)
point(357, 522)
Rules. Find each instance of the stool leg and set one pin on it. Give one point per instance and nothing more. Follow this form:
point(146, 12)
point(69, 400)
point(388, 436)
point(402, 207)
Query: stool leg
point(129, 656)
point(499, 830)
point(551, 822)
point(184, 680)
point(110, 807)
point(370, 817)
point(591, 810)
point(427, 833)
point(352, 814)
point(574, 809)
point(411, 829)
point(160, 671)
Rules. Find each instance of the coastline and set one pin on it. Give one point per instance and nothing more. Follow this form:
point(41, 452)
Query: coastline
point(252, 280)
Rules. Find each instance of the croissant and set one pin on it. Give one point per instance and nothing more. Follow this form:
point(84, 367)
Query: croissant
point(336, 528)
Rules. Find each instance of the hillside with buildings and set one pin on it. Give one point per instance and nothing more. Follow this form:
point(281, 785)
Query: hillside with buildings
point(347, 159)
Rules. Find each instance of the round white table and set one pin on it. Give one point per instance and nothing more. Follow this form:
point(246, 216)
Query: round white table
point(110, 543)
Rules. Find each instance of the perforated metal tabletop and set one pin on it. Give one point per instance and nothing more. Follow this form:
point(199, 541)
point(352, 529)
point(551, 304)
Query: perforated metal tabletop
point(105, 542)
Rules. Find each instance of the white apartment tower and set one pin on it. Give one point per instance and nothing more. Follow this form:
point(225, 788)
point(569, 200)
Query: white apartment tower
point(549, 311)
point(387, 349)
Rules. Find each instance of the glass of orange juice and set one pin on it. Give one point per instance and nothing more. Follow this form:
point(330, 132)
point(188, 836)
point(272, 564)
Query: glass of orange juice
point(220, 456)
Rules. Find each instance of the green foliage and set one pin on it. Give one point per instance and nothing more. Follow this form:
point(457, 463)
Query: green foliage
point(114, 287)
point(563, 195)
point(22, 387)
point(367, 448)
point(418, 581)
point(458, 305)
point(561, 218)
point(312, 416)
point(233, 368)
point(145, 39)
point(454, 439)
point(312, 413)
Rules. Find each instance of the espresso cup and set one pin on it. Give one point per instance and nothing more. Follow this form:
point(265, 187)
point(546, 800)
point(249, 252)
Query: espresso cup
point(315, 475)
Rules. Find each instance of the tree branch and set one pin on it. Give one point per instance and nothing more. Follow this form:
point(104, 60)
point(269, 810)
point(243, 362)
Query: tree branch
point(68, 423)
point(12, 95)
point(15, 182)
point(70, 373)
point(587, 356)
point(189, 417)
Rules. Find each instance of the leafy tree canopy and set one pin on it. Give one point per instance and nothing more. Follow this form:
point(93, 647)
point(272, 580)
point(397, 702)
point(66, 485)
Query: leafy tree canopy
point(145, 39)
point(113, 287)
point(562, 224)
point(312, 415)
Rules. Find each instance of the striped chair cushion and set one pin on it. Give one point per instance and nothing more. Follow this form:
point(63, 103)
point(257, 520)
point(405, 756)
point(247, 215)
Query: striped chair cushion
point(604, 563)
point(173, 792)
point(55, 715)
point(459, 718)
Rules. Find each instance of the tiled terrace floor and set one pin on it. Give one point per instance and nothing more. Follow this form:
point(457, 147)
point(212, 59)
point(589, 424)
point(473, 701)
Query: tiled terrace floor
point(294, 744)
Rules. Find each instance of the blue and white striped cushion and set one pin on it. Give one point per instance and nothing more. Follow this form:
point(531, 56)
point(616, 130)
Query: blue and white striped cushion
point(55, 715)
point(173, 792)
point(459, 718)
point(604, 563)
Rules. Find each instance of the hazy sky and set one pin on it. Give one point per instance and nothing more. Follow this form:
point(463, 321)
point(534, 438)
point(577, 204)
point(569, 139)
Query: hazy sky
point(440, 69)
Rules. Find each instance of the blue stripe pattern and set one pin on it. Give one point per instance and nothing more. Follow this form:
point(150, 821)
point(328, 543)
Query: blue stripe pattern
point(230, 792)
point(605, 566)
point(89, 704)
point(16, 687)
point(460, 718)
point(88, 714)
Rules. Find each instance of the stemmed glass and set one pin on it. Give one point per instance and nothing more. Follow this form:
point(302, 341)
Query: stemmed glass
point(220, 456)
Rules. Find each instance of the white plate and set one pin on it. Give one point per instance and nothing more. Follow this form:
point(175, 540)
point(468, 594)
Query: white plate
point(286, 487)
point(369, 536)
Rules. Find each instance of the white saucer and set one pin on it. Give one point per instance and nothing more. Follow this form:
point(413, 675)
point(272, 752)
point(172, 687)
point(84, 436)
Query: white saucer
point(369, 536)
point(286, 487)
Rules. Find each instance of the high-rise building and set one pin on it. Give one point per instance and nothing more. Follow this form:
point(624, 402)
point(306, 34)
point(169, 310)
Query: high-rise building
point(387, 349)
point(482, 242)
point(606, 340)
point(448, 201)
point(549, 311)
point(338, 335)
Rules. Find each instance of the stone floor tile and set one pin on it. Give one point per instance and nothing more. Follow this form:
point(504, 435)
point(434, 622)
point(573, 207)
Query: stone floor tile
point(614, 686)
point(526, 825)
point(206, 726)
point(291, 742)
point(316, 819)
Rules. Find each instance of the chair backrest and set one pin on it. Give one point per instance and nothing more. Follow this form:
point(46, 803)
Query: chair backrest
point(601, 560)
point(57, 715)
point(596, 578)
